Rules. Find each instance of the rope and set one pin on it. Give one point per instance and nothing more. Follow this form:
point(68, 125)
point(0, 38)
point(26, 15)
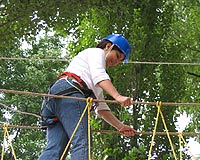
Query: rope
point(27, 113)
point(166, 63)
point(5, 128)
point(110, 101)
point(67, 146)
point(181, 137)
point(181, 147)
point(89, 104)
point(115, 132)
point(154, 133)
point(96, 100)
point(99, 131)
point(33, 59)
point(133, 62)
point(158, 105)
point(4, 141)
point(53, 95)
point(170, 141)
point(149, 133)
point(22, 127)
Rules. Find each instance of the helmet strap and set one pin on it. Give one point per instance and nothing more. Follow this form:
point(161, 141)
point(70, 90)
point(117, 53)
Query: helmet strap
point(108, 51)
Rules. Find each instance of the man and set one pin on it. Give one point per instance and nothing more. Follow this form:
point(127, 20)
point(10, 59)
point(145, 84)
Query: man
point(85, 76)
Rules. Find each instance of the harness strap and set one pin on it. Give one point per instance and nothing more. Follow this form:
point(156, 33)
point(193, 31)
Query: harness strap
point(73, 76)
point(81, 84)
point(68, 91)
point(75, 86)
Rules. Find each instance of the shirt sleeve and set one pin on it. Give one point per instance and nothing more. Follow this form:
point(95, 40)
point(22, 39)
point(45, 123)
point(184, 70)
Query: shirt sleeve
point(97, 66)
point(101, 105)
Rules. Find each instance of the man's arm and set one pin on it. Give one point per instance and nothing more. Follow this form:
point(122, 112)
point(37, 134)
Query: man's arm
point(108, 116)
point(107, 86)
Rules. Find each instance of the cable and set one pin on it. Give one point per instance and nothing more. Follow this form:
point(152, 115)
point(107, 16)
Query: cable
point(33, 59)
point(133, 62)
point(27, 113)
point(96, 100)
point(113, 131)
point(166, 63)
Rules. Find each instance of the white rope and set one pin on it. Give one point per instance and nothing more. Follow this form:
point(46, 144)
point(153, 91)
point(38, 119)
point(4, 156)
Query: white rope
point(33, 59)
point(166, 63)
point(133, 62)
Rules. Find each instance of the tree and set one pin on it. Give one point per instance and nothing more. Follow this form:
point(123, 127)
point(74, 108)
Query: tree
point(34, 76)
point(164, 31)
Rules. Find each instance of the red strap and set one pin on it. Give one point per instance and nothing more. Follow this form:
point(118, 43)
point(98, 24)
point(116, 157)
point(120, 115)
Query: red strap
point(55, 119)
point(70, 75)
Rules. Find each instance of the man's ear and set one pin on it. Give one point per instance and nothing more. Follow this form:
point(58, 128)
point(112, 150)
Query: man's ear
point(108, 45)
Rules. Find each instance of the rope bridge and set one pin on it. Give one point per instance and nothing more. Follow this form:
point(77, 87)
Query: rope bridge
point(89, 103)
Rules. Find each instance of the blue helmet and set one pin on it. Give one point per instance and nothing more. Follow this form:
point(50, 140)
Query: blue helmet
point(121, 42)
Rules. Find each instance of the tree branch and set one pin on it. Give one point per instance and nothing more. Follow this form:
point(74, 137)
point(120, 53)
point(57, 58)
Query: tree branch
point(193, 74)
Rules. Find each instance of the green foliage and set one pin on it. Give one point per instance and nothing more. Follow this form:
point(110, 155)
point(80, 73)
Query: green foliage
point(33, 76)
point(136, 154)
point(163, 31)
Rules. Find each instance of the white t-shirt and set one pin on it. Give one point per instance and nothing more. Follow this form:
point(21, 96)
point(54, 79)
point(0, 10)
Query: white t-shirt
point(90, 66)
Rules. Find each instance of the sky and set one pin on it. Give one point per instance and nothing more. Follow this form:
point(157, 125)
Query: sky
point(181, 124)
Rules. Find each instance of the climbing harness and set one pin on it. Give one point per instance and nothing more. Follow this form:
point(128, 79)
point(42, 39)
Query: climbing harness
point(78, 83)
point(6, 134)
point(48, 122)
point(77, 86)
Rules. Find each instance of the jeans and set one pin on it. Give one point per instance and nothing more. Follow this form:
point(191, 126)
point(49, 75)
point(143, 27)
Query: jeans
point(69, 112)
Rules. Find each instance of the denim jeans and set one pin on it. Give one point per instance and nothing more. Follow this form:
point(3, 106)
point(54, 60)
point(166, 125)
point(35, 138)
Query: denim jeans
point(69, 112)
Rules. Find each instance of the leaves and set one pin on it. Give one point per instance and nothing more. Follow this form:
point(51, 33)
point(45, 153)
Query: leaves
point(163, 31)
